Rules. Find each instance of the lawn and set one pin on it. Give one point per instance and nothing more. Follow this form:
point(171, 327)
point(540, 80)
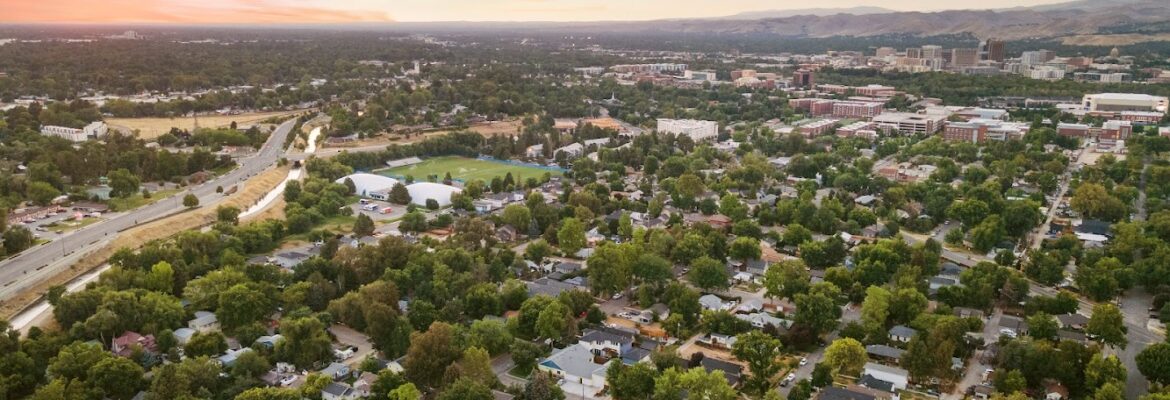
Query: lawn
point(136, 200)
point(465, 169)
point(69, 225)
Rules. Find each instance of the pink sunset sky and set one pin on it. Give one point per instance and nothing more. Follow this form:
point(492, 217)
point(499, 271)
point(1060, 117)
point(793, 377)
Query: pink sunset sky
point(335, 11)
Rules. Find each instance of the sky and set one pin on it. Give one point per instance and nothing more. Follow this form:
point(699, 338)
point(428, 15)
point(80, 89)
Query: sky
point(340, 11)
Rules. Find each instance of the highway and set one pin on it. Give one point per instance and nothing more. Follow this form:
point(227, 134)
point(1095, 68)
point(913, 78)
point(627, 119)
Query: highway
point(38, 263)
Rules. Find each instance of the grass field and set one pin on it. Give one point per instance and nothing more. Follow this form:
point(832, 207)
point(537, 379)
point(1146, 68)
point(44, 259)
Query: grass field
point(150, 128)
point(464, 169)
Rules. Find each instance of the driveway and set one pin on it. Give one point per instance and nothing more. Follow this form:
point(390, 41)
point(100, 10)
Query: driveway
point(347, 336)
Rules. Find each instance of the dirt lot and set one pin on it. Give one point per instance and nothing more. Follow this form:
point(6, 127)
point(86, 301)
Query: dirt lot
point(487, 129)
point(135, 237)
point(150, 128)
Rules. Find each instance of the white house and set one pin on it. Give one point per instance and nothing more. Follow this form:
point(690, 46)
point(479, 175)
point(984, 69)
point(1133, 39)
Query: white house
point(896, 376)
point(601, 341)
point(575, 365)
point(205, 321)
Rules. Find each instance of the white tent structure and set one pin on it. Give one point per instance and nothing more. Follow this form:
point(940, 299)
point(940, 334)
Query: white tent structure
point(421, 191)
point(367, 184)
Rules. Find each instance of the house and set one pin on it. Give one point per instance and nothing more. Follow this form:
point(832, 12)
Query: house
point(866, 200)
point(337, 391)
point(897, 377)
point(656, 312)
point(760, 320)
point(183, 335)
point(1055, 391)
point(1012, 326)
point(549, 287)
point(364, 382)
point(837, 393)
point(714, 303)
point(604, 341)
point(731, 371)
point(205, 321)
point(268, 341)
point(123, 346)
point(636, 355)
point(718, 340)
point(873, 383)
point(228, 359)
point(902, 333)
point(883, 352)
point(964, 312)
point(289, 259)
point(1073, 321)
point(575, 364)
point(336, 371)
point(507, 233)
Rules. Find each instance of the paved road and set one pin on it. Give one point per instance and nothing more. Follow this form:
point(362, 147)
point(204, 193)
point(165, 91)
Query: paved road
point(850, 313)
point(33, 265)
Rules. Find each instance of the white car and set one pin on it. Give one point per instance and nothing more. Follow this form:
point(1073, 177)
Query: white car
point(617, 296)
point(803, 361)
point(791, 377)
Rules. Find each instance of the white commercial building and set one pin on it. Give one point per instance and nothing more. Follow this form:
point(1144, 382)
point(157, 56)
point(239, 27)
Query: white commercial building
point(373, 186)
point(1112, 102)
point(910, 123)
point(422, 191)
point(95, 129)
point(698, 130)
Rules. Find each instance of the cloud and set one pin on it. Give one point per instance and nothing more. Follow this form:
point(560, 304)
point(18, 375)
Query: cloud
point(180, 11)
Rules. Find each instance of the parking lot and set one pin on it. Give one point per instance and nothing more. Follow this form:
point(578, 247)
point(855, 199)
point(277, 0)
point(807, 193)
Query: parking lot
point(376, 210)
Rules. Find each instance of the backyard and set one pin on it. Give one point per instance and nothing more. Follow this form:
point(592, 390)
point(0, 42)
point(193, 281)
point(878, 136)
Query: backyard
point(466, 169)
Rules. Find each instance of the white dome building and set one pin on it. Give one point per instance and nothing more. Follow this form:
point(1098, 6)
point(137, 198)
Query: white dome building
point(421, 191)
point(370, 185)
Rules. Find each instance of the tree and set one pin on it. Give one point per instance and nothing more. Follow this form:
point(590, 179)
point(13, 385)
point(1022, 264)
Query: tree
point(694, 383)
point(1154, 363)
point(363, 226)
point(205, 344)
point(625, 226)
point(822, 375)
point(227, 214)
point(745, 248)
point(708, 274)
point(1103, 370)
point(801, 391)
point(1012, 381)
point(1107, 325)
point(1042, 326)
point(429, 355)
point(41, 193)
point(305, 342)
point(117, 377)
point(413, 221)
point(555, 322)
point(190, 201)
point(518, 216)
point(988, 233)
point(1094, 201)
point(875, 309)
point(786, 278)
point(123, 183)
point(250, 364)
point(631, 381)
point(609, 269)
point(490, 335)
point(466, 389)
point(760, 352)
point(475, 365)
point(571, 235)
point(407, 391)
point(524, 354)
point(17, 239)
point(399, 195)
point(240, 305)
point(817, 309)
point(845, 356)
point(542, 387)
point(652, 269)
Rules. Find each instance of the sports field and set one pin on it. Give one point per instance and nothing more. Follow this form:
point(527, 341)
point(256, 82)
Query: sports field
point(465, 169)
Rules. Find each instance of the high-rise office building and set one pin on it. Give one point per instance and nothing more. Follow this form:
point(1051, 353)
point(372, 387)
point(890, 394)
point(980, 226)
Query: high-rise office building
point(803, 78)
point(932, 51)
point(914, 52)
point(993, 50)
point(964, 57)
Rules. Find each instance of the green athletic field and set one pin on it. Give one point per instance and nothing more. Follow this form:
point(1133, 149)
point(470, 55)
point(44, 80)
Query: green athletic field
point(464, 169)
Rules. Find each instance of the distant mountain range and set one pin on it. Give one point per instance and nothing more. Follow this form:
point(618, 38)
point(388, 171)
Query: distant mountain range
point(1097, 22)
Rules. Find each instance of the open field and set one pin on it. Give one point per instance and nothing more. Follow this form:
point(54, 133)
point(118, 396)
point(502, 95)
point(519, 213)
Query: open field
point(465, 169)
point(150, 128)
point(486, 129)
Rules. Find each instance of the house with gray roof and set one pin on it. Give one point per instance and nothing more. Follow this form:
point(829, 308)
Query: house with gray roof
point(575, 364)
point(902, 333)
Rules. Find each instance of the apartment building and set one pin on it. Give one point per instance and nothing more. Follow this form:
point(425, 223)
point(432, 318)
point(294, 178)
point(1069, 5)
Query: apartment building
point(979, 130)
point(697, 130)
point(910, 123)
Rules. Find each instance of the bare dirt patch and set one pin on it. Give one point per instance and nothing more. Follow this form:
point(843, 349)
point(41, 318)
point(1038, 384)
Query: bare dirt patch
point(150, 128)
